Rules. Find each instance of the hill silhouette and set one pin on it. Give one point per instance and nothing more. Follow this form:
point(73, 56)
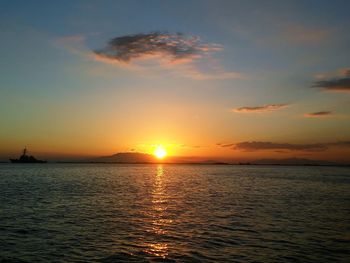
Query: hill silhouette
point(127, 157)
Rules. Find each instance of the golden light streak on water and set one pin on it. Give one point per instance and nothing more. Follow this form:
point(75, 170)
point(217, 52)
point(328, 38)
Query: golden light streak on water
point(158, 213)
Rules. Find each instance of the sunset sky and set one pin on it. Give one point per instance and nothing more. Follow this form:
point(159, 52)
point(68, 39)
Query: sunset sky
point(224, 80)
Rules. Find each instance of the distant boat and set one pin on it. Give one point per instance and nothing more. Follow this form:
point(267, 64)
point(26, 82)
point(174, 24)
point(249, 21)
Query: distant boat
point(24, 158)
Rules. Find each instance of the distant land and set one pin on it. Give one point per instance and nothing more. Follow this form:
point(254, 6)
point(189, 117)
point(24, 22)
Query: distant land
point(136, 157)
point(144, 158)
point(126, 157)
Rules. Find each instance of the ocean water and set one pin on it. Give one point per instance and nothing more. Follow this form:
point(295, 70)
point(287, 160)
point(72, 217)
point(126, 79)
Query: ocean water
point(173, 213)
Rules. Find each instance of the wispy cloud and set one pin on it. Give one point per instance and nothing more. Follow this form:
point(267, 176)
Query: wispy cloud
point(74, 44)
point(176, 48)
point(191, 146)
point(288, 34)
point(319, 114)
point(263, 145)
point(193, 72)
point(227, 145)
point(337, 84)
point(260, 109)
point(302, 34)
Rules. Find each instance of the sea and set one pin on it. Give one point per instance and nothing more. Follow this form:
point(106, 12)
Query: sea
point(174, 213)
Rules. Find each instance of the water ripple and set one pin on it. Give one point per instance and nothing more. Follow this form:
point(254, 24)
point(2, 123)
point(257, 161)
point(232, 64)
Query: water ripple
point(174, 213)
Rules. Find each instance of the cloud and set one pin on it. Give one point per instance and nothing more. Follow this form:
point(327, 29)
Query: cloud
point(155, 54)
point(346, 72)
point(160, 53)
point(69, 39)
point(318, 114)
point(190, 146)
point(216, 73)
point(263, 145)
point(227, 145)
point(337, 84)
point(260, 109)
point(302, 34)
point(340, 84)
point(341, 144)
point(175, 48)
point(74, 44)
point(254, 146)
point(287, 33)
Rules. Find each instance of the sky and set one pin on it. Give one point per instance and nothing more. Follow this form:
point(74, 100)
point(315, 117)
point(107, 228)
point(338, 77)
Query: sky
point(223, 80)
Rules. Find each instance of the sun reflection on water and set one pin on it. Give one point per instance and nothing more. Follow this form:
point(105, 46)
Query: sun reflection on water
point(158, 212)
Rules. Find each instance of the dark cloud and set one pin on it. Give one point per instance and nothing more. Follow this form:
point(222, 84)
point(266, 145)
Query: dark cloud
point(341, 84)
point(254, 146)
point(347, 72)
point(318, 114)
point(228, 145)
point(191, 146)
point(265, 108)
point(257, 145)
point(341, 144)
point(176, 47)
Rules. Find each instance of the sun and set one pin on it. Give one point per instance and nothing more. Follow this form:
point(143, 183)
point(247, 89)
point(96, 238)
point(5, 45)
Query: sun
point(160, 152)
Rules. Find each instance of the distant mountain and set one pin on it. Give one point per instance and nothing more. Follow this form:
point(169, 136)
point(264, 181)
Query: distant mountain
point(127, 157)
point(136, 157)
point(293, 161)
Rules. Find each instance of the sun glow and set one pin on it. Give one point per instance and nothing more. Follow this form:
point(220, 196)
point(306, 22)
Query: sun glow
point(160, 152)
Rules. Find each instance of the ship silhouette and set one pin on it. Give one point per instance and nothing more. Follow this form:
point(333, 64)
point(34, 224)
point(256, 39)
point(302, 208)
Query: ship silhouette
point(24, 158)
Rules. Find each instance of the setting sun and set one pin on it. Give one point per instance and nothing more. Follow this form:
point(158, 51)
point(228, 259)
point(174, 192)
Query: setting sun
point(160, 152)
